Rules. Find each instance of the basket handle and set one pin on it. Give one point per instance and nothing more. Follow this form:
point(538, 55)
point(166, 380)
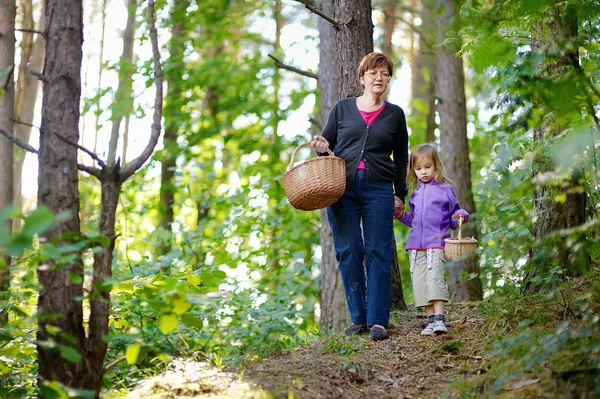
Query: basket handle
point(296, 150)
point(460, 219)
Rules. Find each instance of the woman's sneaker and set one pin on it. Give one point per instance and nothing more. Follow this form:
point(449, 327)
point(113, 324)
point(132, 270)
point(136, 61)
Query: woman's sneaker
point(429, 329)
point(378, 333)
point(439, 325)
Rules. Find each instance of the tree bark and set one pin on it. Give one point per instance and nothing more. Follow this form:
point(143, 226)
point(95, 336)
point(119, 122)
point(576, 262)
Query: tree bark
point(123, 105)
point(334, 311)
point(389, 24)
point(172, 120)
point(423, 76)
point(353, 40)
point(32, 60)
point(61, 288)
point(549, 215)
point(7, 87)
point(454, 143)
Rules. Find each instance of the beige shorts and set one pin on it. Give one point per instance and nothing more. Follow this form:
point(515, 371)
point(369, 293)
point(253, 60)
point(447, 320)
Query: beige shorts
point(428, 280)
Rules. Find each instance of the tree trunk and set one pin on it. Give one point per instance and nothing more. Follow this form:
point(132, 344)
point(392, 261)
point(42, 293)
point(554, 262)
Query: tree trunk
point(123, 105)
point(423, 77)
point(7, 87)
point(100, 71)
point(353, 40)
point(32, 59)
point(454, 143)
point(334, 311)
point(172, 120)
point(389, 24)
point(550, 215)
point(61, 289)
point(95, 348)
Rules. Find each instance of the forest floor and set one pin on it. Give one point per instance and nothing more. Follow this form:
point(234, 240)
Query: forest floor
point(407, 365)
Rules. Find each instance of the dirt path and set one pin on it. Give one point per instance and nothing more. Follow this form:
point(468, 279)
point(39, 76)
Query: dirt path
point(405, 366)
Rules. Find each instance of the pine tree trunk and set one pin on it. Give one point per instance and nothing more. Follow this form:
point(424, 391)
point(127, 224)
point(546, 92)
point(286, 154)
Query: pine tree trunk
point(7, 87)
point(334, 311)
point(550, 215)
point(172, 120)
point(32, 60)
point(353, 40)
point(423, 76)
point(61, 288)
point(454, 143)
point(123, 96)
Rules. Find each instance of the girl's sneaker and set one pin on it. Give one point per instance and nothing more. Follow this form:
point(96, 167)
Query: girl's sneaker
point(429, 329)
point(439, 325)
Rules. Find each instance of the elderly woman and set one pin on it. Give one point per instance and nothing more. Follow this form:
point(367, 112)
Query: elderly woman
point(366, 131)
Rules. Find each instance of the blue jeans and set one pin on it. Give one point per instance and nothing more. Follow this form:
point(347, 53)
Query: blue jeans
point(368, 292)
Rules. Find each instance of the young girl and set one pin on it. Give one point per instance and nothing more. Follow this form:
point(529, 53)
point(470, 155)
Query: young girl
point(434, 210)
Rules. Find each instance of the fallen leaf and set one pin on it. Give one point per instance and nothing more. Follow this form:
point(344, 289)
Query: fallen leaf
point(386, 379)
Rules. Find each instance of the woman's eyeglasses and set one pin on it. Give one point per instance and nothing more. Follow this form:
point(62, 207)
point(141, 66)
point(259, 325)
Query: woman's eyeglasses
point(373, 75)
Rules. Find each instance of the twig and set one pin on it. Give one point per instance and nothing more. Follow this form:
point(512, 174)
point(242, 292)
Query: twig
point(320, 14)
point(24, 123)
point(306, 2)
point(90, 170)
point(18, 142)
point(417, 30)
point(114, 363)
point(315, 122)
point(281, 65)
point(82, 148)
point(137, 163)
point(39, 76)
point(30, 31)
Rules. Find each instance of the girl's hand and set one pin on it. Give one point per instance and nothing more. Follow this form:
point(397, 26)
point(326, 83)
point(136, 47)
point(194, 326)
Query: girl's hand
point(319, 144)
point(461, 214)
point(399, 209)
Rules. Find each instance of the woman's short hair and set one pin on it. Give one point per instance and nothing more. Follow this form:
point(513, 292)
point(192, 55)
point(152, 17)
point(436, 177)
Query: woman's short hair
point(373, 61)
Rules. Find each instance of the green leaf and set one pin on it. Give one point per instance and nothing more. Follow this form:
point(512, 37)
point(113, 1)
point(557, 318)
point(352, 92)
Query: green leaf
point(168, 323)
point(132, 353)
point(192, 321)
point(69, 353)
point(38, 221)
point(181, 305)
point(75, 278)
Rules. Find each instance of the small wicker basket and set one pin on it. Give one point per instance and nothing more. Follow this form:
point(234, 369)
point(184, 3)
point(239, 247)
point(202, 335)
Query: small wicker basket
point(457, 247)
point(315, 183)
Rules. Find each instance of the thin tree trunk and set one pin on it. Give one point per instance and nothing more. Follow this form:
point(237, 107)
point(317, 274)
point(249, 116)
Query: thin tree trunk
point(172, 120)
point(100, 71)
point(423, 76)
point(389, 24)
point(123, 101)
point(550, 215)
point(454, 143)
point(334, 311)
point(7, 87)
point(32, 60)
point(125, 140)
point(61, 289)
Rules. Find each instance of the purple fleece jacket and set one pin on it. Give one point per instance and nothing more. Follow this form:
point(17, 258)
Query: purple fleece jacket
point(432, 206)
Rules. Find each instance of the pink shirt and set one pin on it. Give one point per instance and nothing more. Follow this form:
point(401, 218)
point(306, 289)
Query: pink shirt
point(369, 117)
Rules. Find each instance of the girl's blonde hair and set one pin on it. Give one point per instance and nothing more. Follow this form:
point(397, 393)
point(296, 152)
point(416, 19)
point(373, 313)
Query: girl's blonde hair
point(425, 150)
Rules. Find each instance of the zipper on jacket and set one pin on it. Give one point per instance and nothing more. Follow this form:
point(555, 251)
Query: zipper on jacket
point(421, 218)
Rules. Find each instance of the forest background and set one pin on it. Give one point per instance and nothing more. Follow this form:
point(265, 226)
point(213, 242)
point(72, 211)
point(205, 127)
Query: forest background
point(210, 262)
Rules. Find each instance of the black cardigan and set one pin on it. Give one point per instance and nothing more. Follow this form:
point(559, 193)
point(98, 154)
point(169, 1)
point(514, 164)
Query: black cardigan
point(351, 139)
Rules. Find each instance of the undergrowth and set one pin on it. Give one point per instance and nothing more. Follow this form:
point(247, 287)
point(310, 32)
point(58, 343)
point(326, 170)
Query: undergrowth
point(542, 344)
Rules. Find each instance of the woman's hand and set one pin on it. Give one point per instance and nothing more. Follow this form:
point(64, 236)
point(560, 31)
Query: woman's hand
point(399, 209)
point(319, 144)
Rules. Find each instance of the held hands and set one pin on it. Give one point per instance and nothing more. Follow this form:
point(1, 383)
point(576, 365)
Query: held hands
point(319, 144)
point(399, 209)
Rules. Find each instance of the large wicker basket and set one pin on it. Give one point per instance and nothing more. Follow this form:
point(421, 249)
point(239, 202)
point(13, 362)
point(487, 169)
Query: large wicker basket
point(458, 247)
point(315, 183)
